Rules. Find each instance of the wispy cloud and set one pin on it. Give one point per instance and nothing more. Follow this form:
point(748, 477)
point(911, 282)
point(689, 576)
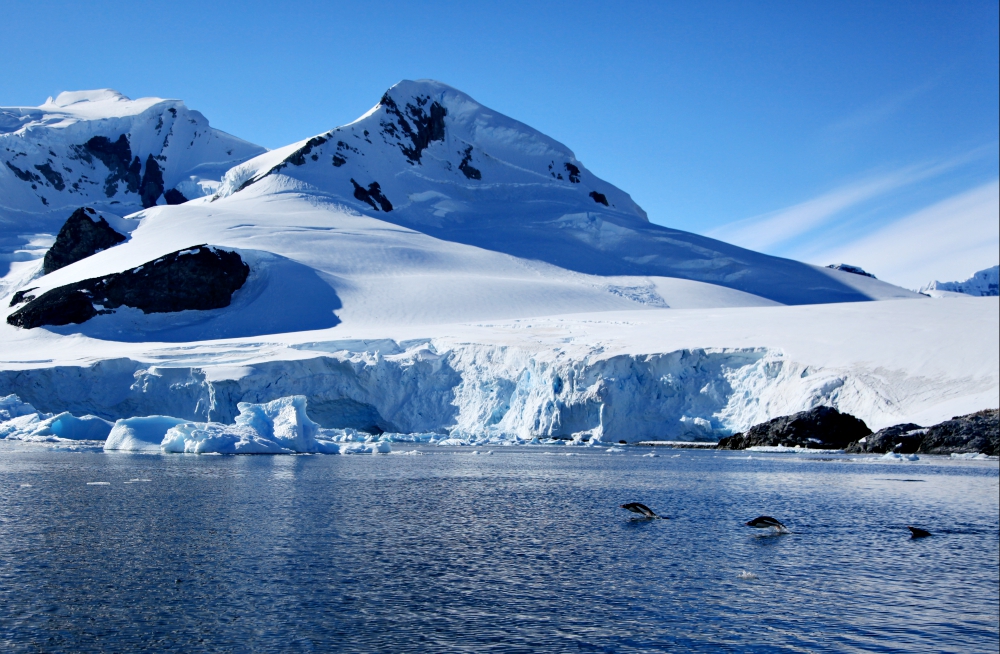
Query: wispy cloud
point(883, 108)
point(775, 230)
point(946, 241)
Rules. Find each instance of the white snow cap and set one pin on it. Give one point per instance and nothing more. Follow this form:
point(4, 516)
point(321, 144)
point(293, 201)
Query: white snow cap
point(67, 98)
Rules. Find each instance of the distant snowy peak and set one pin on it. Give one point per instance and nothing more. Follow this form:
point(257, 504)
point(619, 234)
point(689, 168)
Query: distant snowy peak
point(100, 148)
point(985, 283)
point(428, 146)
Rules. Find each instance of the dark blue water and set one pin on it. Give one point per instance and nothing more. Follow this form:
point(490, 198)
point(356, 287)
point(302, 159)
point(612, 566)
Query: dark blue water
point(519, 551)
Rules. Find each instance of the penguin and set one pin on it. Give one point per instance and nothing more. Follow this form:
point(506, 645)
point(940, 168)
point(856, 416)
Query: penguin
point(917, 532)
point(642, 509)
point(765, 522)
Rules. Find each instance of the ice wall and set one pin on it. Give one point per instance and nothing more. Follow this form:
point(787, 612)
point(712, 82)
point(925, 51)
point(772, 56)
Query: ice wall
point(500, 391)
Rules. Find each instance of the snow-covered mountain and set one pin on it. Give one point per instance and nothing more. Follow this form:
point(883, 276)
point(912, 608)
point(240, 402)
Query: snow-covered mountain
point(437, 266)
point(431, 158)
point(104, 150)
point(984, 283)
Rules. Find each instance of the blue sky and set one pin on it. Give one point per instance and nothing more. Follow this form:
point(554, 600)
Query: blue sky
point(821, 131)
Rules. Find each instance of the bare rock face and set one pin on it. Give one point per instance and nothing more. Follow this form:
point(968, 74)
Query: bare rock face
point(79, 238)
point(976, 432)
point(820, 428)
point(198, 278)
point(904, 439)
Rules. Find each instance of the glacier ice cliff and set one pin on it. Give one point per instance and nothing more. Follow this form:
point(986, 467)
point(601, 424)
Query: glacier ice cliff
point(500, 391)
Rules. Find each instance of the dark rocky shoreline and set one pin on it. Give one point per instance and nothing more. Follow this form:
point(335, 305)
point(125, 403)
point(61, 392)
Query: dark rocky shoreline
point(827, 428)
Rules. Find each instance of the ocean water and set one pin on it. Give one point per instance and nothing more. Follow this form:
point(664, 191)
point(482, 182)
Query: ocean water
point(522, 550)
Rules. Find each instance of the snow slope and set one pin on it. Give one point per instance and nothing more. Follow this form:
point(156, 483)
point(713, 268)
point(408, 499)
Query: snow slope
point(451, 168)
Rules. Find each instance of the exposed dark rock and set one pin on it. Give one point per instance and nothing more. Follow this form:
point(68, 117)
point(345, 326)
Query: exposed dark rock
point(117, 156)
point(428, 125)
point(198, 278)
point(574, 173)
point(851, 269)
point(298, 158)
point(338, 161)
point(151, 187)
point(23, 175)
point(173, 196)
point(904, 439)
point(599, 198)
point(976, 432)
point(820, 428)
point(22, 296)
point(372, 195)
point(466, 168)
point(79, 238)
point(53, 176)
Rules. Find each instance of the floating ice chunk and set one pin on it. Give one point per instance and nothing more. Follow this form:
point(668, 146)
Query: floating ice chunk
point(610, 450)
point(746, 576)
point(453, 442)
point(19, 426)
point(650, 455)
point(277, 427)
point(377, 447)
point(893, 456)
point(140, 434)
point(213, 437)
point(98, 483)
point(12, 407)
point(64, 426)
point(971, 455)
point(69, 427)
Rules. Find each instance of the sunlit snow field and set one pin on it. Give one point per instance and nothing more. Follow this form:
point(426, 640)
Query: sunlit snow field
point(523, 549)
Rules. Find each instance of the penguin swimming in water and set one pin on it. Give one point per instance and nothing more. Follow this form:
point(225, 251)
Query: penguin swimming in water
point(917, 532)
point(641, 509)
point(766, 522)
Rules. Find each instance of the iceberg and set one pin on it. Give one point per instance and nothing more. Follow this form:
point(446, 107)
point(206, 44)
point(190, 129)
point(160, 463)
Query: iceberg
point(277, 427)
point(140, 434)
point(21, 421)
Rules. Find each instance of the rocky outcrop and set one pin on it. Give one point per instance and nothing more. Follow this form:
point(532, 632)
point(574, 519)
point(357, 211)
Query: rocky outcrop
point(976, 432)
point(79, 238)
point(904, 439)
point(854, 270)
point(173, 196)
point(117, 157)
point(372, 196)
point(973, 433)
point(820, 428)
point(198, 278)
point(151, 187)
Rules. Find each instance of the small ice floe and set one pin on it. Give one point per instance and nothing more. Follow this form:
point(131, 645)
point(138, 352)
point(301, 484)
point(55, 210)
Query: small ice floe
point(98, 483)
point(746, 575)
point(651, 455)
point(972, 456)
point(611, 450)
point(453, 442)
point(375, 447)
point(410, 453)
point(25, 486)
point(675, 456)
point(137, 481)
point(893, 456)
